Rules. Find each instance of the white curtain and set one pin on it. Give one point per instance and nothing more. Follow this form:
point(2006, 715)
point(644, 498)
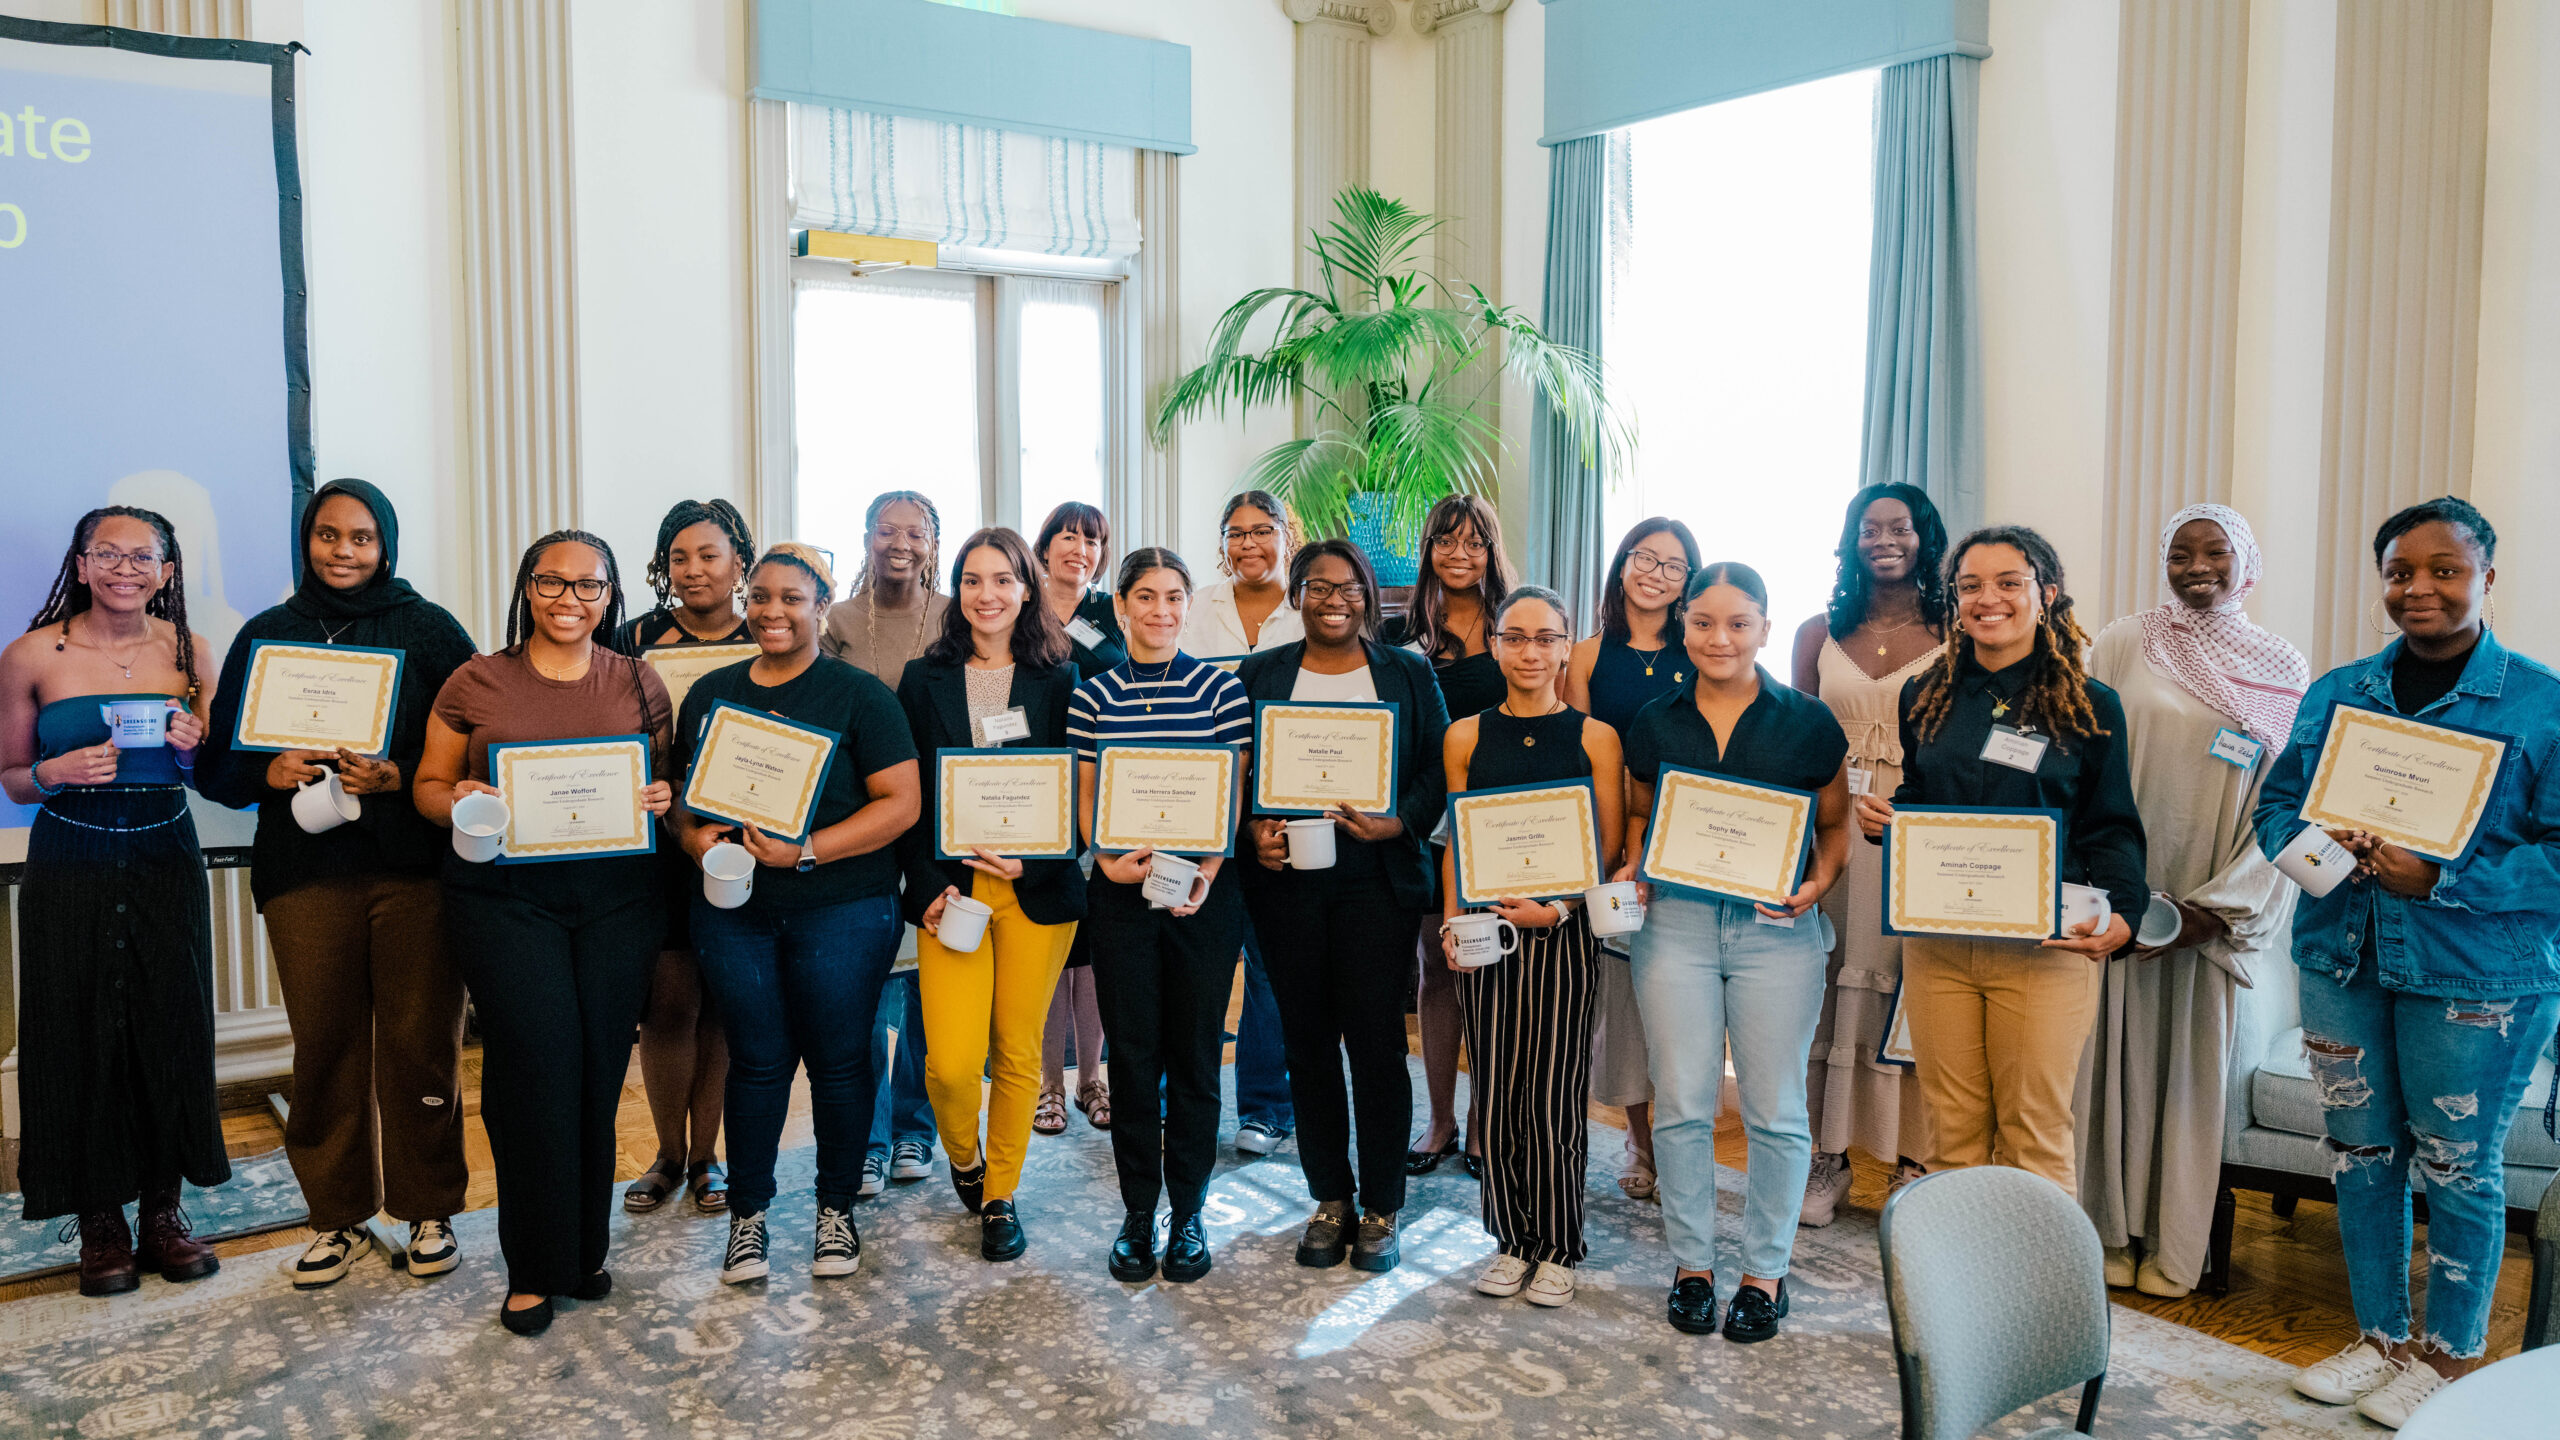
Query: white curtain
point(866, 174)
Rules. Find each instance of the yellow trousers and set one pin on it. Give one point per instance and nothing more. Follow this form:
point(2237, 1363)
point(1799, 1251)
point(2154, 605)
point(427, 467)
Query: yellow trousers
point(1998, 1027)
point(996, 995)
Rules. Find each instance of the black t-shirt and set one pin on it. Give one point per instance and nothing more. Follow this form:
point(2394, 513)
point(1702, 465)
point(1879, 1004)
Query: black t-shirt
point(1784, 738)
point(2418, 683)
point(829, 695)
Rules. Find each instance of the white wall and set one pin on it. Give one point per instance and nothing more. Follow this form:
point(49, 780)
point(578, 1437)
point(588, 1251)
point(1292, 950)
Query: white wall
point(2515, 458)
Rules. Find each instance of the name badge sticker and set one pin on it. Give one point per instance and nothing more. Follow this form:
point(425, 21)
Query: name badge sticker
point(2235, 749)
point(1013, 724)
point(2014, 748)
point(1084, 632)
point(1862, 781)
point(1783, 922)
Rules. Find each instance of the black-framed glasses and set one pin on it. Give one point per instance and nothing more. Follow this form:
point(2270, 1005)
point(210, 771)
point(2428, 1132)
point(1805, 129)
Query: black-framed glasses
point(1316, 592)
point(140, 562)
point(1453, 543)
point(1645, 562)
point(552, 587)
point(1263, 533)
point(1543, 640)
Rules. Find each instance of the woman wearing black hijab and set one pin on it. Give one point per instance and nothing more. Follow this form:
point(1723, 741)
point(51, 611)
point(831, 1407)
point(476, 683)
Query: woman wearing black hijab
point(354, 915)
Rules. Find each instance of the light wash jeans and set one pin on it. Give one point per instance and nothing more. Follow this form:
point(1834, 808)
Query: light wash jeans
point(1707, 972)
point(2420, 1078)
point(900, 1110)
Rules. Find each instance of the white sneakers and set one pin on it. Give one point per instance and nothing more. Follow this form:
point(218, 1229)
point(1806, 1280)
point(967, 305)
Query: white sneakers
point(1825, 1186)
point(1503, 1278)
point(2400, 1396)
point(2346, 1377)
point(1255, 1138)
point(1551, 1286)
point(432, 1250)
point(331, 1254)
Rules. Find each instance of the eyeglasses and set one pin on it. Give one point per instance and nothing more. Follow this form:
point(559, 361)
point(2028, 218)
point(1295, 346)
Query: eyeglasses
point(915, 535)
point(2007, 587)
point(1263, 534)
point(1316, 592)
point(1645, 562)
point(552, 587)
point(1453, 543)
point(1544, 640)
point(140, 562)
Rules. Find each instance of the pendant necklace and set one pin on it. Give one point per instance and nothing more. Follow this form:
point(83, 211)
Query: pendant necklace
point(126, 665)
point(330, 637)
point(1880, 633)
point(1505, 708)
point(1137, 677)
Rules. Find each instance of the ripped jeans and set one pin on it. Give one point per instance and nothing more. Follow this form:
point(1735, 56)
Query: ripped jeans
point(2418, 1078)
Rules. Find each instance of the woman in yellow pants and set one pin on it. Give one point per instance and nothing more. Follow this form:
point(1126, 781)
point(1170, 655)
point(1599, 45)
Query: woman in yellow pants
point(998, 676)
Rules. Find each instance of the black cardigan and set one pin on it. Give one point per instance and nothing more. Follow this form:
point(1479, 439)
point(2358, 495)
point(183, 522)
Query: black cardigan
point(936, 699)
point(1405, 680)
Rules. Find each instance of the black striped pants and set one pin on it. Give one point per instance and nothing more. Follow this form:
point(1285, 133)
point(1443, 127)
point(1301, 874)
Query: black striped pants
point(1528, 1026)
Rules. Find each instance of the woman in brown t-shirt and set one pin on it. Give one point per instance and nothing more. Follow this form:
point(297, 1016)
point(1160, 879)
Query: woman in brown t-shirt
point(557, 955)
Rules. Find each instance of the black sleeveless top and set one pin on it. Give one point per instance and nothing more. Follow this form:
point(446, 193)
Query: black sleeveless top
point(1541, 750)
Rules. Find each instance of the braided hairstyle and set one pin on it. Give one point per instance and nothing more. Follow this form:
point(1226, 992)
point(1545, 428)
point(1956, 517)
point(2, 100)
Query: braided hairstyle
point(880, 504)
point(2057, 691)
point(1850, 589)
point(684, 516)
point(69, 596)
point(520, 625)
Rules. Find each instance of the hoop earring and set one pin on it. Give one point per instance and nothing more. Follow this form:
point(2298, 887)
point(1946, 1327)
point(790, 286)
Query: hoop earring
point(2381, 626)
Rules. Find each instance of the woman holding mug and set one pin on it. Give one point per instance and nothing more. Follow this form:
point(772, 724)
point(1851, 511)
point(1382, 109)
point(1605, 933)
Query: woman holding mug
point(557, 956)
point(101, 715)
point(1528, 1016)
point(997, 676)
point(1163, 975)
point(1073, 550)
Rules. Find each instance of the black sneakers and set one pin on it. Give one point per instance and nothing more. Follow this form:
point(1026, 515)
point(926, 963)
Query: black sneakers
point(839, 1247)
point(1753, 1316)
point(1327, 1238)
point(745, 1257)
point(1186, 1249)
point(1000, 1234)
point(1693, 1304)
point(1133, 1255)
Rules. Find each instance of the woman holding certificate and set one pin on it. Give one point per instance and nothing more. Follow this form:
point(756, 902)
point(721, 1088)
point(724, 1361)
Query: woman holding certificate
point(1347, 733)
point(2019, 760)
point(1072, 550)
point(555, 742)
point(2431, 976)
point(1528, 1016)
point(997, 677)
point(100, 723)
point(1751, 830)
point(805, 763)
point(1161, 743)
point(354, 909)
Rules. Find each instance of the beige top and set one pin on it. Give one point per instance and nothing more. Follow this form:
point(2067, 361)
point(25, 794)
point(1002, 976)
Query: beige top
point(881, 641)
point(1869, 710)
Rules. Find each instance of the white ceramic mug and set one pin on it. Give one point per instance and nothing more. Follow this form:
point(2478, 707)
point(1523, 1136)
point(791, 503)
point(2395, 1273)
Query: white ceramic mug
point(2315, 862)
point(1173, 882)
point(964, 924)
point(728, 875)
point(1615, 908)
point(2161, 922)
point(1310, 843)
point(136, 724)
point(322, 804)
point(479, 826)
point(2084, 903)
point(1480, 937)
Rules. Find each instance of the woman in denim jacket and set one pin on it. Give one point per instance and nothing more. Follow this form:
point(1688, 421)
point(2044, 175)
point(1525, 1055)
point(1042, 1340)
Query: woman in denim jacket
point(2428, 989)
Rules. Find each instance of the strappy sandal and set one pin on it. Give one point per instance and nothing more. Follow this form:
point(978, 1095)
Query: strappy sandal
point(1050, 1118)
point(653, 1187)
point(1095, 1101)
point(710, 1182)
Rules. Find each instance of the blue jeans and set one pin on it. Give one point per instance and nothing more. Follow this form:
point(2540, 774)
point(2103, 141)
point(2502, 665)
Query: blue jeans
point(1262, 1058)
point(2421, 1078)
point(902, 1112)
point(1706, 972)
point(798, 987)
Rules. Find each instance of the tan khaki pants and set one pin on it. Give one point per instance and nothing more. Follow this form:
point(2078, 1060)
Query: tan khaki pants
point(1998, 1027)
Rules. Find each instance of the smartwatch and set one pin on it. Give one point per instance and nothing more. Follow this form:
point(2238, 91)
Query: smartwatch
point(808, 855)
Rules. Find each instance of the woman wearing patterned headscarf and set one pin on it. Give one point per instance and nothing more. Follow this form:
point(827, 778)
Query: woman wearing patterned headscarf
point(2209, 698)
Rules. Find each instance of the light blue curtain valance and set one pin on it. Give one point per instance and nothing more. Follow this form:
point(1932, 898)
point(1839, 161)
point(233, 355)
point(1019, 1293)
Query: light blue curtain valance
point(928, 61)
point(1564, 540)
point(1614, 62)
point(867, 174)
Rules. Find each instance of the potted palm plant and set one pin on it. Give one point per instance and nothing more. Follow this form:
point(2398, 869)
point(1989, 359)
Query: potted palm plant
point(1389, 363)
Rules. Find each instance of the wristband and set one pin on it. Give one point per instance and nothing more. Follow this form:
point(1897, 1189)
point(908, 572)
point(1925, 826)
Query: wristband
point(37, 780)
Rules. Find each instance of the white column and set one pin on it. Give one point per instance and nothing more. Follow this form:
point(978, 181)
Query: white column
point(1158, 282)
point(771, 437)
point(1466, 187)
point(211, 19)
point(1332, 105)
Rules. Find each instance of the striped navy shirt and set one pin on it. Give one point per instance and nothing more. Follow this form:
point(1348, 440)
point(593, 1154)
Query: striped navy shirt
point(1192, 703)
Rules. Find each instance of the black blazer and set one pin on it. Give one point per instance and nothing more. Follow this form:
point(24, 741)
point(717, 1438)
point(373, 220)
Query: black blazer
point(936, 699)
point(1404, 680)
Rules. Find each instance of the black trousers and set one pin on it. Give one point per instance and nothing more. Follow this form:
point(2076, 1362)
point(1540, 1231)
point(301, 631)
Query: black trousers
point(558, 966)
point(1340, 954)
point(1163, 982)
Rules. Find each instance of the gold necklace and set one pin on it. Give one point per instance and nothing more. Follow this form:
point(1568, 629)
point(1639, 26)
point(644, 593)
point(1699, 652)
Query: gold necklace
point(1882, 631)
point(563, 677)
point(125, 665)
point(1505, 708)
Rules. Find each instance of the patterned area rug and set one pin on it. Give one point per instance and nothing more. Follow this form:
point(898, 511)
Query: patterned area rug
point(260, 1195)
point(929, 1342)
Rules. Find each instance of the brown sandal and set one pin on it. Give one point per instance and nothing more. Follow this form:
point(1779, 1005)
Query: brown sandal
point(1050, 1118)
point(1095, 1101)
point(653, 1187)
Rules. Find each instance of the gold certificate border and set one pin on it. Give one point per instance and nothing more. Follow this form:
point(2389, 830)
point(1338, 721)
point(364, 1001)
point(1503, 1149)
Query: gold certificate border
point(687, 658)
point(2344, 718)
point(508, 759)
point(1063, 761)
point(1385, 788)
point(1466, 809)
point(1105, 838)
point(783, 823)
point(1799, 817)
point(377, 739)
point(2047, 844)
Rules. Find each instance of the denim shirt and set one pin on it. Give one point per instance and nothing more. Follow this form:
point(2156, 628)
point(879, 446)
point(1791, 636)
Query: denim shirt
point(2489, 926)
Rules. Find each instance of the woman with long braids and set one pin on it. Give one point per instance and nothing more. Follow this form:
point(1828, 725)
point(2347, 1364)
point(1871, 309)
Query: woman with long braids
point(115, 937)
point(1464, 580)
point(557, 956)
point(1073, 550)
point(1528, 1016)
point(1885, 623)
point(1635, 658)
point(355, 915)
point(1998, 1026)
point(699, 573)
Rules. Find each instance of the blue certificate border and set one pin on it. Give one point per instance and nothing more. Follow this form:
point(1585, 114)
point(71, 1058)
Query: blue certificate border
point(1075, 811)
point(1395, 743)
point(2506, 757)
point(1235, 787)
point(399, 667)
point(648, 830)
point(835, 744)
point(2061, 846)
point(1804, 849)
point(1458, 837)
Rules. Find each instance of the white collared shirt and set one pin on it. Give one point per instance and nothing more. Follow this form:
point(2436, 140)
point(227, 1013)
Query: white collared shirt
point(1216, 631)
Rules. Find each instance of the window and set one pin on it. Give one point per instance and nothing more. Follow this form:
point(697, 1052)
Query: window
point(1737, 327)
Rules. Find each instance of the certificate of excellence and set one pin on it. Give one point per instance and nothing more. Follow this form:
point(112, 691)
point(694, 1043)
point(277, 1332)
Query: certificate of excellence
point(678, 666)
point(318, 697)
point(1992, 873)
point(1727, 837)
point(1018, 803)
point(573, 799)
point(1308, 759)
point(756, 769)
point(1180, 798)
point(2422, 787)
point(1525, 842)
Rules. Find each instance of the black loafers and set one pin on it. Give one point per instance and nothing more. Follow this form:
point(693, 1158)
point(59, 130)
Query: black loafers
point(1753, 1316)
point(971, 1184)
point(1186, 1249)
point(1133, 1255)
point(1327, 1237)
point(1000, 1234)
point(1375, 1248)
point(1693, 1305)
